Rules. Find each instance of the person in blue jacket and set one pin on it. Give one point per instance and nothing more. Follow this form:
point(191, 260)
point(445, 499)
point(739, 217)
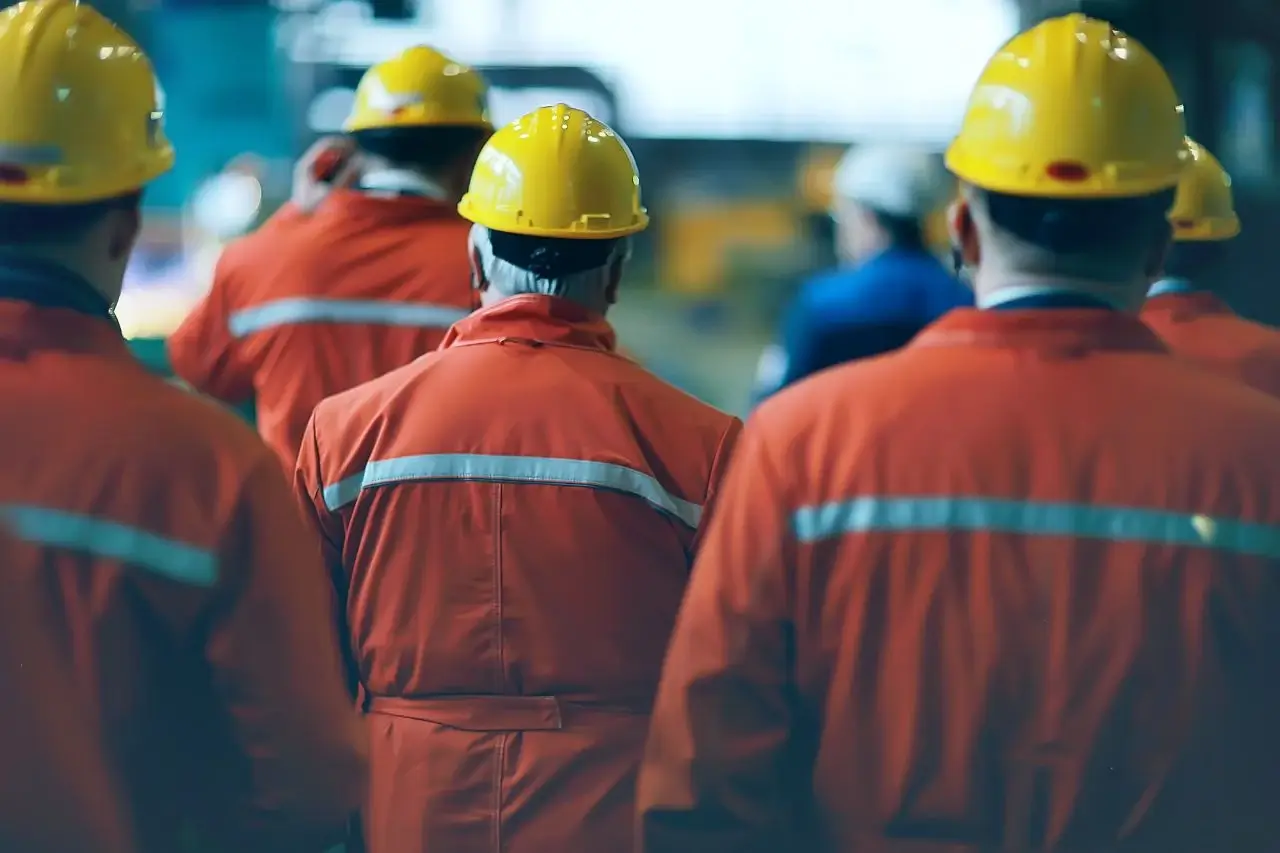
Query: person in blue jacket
point(889, 285)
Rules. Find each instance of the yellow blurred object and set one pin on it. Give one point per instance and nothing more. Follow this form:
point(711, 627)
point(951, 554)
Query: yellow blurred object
point(936, 236)
point(697, 241)
point(421, 87)
point(817, 177)
point(556, 172)
point(83, 116)
point(1072, 108)
point(1204, 209)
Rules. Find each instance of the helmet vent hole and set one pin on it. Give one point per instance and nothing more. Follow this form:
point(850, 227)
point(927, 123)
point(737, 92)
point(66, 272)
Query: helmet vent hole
point(11, 174)
point(1067, 171)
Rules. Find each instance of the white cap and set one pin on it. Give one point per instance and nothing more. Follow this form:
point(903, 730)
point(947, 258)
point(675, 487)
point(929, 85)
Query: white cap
point(899, 180)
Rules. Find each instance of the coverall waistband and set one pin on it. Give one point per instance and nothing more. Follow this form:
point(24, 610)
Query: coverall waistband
point(490, 713)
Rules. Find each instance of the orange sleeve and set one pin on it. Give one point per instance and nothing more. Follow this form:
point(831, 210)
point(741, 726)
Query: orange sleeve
point(308, 492)
point(277, 673)
point(724, 453)
point(204, 353)
point(720, 770)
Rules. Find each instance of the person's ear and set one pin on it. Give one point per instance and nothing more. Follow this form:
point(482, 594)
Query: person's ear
point(963, 233)
point(478, 281)
point(615, 279)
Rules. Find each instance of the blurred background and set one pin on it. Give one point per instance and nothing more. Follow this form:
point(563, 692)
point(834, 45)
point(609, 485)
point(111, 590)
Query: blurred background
point(737, 111)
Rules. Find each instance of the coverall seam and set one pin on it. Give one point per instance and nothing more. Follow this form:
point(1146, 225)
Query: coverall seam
point(714, 477)
point(317, 488)
point(498, 588)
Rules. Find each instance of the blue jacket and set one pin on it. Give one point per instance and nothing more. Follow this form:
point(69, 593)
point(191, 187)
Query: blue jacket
point(847, 314)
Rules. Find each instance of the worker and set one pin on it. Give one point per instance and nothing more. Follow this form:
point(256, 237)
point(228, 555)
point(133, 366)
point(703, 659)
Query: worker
point(163, 550)
point(1014, 586)
point(311, 305)
point(512, 519)
point(1193, 320)
point(890, 285)
point(63, 801)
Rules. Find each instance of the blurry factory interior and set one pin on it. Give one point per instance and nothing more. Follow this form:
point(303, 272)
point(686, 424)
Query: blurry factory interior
point(737, 113)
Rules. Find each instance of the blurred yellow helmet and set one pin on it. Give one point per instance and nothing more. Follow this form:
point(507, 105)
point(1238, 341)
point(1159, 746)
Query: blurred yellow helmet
point(83, 114)
point(557, 172)
point(1072, 108)
point(1204, 208)
point(420, 88)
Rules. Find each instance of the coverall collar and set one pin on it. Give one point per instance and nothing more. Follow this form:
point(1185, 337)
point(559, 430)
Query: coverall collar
point(1077, 329)
point(45, 305)
point(536, 319)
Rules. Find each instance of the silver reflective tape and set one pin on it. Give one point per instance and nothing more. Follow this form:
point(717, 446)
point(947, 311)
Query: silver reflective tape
point(113, 541)
point(1034, 518)
point(514, 469)
point(287, 312)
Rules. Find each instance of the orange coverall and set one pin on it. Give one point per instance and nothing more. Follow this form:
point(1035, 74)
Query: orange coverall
point(312, 305)
point(1013, 588)
point(1199, 325)
point(511, 521)
point(62, 801)
point(165, 555)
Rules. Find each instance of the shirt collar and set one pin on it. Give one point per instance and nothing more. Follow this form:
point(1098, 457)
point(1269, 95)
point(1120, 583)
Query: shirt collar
point(1060, 330)
point(400, 182)
point(1041, 296)
point(386, 207)
point(1171, 285)
point(536, 319)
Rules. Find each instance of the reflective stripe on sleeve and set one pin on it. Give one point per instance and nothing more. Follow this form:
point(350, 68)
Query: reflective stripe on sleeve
point(113, 541)
point(287, 312)
point(1034, 518)
point(514, 469)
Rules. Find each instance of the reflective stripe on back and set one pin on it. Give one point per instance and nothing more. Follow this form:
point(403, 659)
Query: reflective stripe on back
point(1034, 518)
point(514, 469)
point(287, 312)
point(110, 540)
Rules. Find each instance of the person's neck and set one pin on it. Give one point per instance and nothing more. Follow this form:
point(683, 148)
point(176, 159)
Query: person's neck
point(66, 258)
point(994, 286)
point(491, 297)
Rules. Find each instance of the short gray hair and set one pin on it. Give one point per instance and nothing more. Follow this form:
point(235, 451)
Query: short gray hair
point(510, 280)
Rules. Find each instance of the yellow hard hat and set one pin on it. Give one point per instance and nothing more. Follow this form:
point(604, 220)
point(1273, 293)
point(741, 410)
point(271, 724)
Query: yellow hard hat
point(420, 88)
point(83, 116)
point(557, 172)
point(1072, 108)
point(1204, 209)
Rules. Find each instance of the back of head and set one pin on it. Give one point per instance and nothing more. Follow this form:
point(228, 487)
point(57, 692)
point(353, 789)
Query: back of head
point(423, 111)
point(554, 197)
point(81, 125)
point(899, 185)
point(1072, 143)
